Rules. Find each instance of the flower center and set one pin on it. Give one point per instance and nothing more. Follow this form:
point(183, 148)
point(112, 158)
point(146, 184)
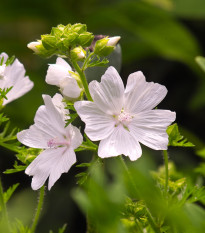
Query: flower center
point(123, 118)
point(2, 71)
point(56, 142)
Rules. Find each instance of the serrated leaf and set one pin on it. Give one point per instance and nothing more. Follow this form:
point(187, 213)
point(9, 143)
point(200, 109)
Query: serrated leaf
point(175, 138)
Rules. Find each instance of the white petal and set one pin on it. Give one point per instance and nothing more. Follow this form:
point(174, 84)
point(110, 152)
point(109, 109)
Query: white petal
point(120, 142)
point(98, 125)
point(57, 72)
point(141, 95)
point(62, 164)
point(149, 128)
point(15, 76)
point(60, 61)
point(50, 163)
point(75, 135)
point(60, 105)
point(20, 87)
point(69, 88)
point(108, 94)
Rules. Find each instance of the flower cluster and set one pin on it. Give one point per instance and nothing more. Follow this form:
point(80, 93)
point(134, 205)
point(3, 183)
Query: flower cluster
point(119, 117)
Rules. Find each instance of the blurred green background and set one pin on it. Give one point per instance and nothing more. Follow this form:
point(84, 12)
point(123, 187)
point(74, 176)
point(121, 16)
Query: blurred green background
point(159, 37)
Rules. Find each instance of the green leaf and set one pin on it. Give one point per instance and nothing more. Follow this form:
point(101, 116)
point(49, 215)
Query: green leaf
point(175, 138)
point(9, 192)
point(201, 169)
point(62, 229)
point(201, 62)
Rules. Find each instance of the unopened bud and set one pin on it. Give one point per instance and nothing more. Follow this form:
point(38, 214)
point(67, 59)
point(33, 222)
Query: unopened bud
point(105, 46)
point(32, 46)
point(78, 53)
point(112, 41)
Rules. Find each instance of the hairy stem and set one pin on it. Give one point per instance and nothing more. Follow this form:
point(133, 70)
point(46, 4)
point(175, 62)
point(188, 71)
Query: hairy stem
point(3, 207)
point(166, 170)
point(83, 79)
point(38, 210)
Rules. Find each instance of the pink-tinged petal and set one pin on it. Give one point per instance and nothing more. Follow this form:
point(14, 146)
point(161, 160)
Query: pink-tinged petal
point(108, 94)
point(75, 136)
point(20, 87)
point(34, 137)
point(120, 142)
point(69, 88)
point(141, 95)
point(62, 164)
point(98, 125)
point(49, 124)
point(149, 128)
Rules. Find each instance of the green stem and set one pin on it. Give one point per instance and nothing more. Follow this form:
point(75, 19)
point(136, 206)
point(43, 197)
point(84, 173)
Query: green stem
point(150, 218)
point(38, 210)
point(166, 170)
point(152, 222)
point(83, 79)
point(128, 173)
point(3, 207)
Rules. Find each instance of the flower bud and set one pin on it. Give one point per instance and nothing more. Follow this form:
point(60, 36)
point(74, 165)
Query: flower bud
point(32, 46)
point(105, 46)
point(78, 53)
point(112, 41)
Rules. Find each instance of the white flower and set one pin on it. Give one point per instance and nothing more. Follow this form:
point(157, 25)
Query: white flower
point(58, 74)
point(14, 76)
point(112, 41)
point(49, 133)
point(121, 118)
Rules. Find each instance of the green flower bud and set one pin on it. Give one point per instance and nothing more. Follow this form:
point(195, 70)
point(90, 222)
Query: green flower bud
point(78, 53)
point(32, 46)
point(39, 49)
point(85, 39)
point(106, 45)
point(48, 41)
point(79, 28)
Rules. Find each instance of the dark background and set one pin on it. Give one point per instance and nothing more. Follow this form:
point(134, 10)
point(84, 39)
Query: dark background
point(159, 37)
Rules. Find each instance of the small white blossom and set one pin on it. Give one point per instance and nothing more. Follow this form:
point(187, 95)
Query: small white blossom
point(14, 76)
point(122, 117)
point(112, 41)
point(58, 74)
point(49, 133)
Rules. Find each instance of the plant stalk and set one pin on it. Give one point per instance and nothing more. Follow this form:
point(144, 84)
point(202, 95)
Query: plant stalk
point(83, 79)
point(39, 208)
point(166, 170)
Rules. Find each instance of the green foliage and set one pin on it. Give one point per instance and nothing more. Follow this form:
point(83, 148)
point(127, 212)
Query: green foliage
point(8, 139)
point(61, 230)
point(175, 138)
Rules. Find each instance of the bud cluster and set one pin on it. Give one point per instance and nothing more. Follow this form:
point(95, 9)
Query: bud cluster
point(62, 39)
